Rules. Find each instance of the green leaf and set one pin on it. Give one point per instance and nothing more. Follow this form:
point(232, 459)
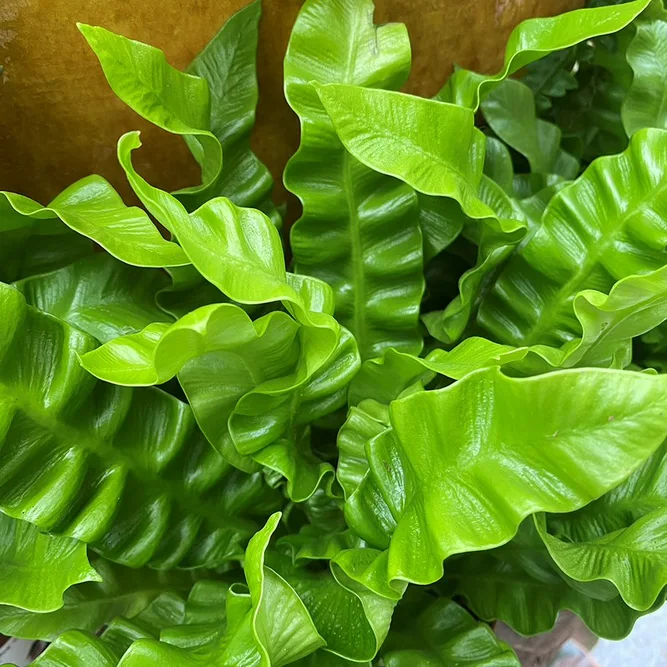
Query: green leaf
point(94, 209)
point(36, 569)
point(137, 488)
point(634, 559)
point(645, 105)
point(394, 134)
point(520, 585)
point(228, 64)
point(533, 39)
point(510, 111)
point(269, 627)
point(242, 256)
point(77, 649)
point(121, 592)
point(488, 475)
point(359, 230)
point(643, 493)
point(99, 295)
point(278, 376)
point(29, 246)
point(603, 227)
point(438, 632)
point(166, 610)
point(177, 102)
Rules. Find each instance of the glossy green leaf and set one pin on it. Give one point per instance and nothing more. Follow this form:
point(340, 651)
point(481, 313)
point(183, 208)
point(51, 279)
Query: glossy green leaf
point(175, 101)
point(268, 627)
point(99, 295)
point(228, 64)
point(520, 585)
point(32, 245)
point(77, 649)
point(537, 37)
point(438, 632)
point(253, 270)
point(359, 229)
point(166, 610)
point(413, 482)
point(94, 209)
point(642, 493)
point(271, 369)
point(510, 111)
point(36, 569)
point(605, 226)
point(394, 134)
point(634, 559)
point(644, 105)
point(138, 489)
point(121, 592)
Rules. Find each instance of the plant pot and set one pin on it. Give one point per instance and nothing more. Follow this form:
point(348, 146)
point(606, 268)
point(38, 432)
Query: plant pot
point(59, 121)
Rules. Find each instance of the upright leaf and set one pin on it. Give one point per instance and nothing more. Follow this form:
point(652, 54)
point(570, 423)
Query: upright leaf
point(175, 101)
point(435, 148)
point(228, 63)
point(510, 111)
point(646, 101)
point(359, 230)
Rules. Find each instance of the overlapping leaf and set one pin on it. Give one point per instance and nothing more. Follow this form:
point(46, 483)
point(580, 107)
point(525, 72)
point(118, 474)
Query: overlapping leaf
point(359, 230)
point(510, 111)
point(485, 475)
point(276, 379)
point(124, 470)
point(435, 148)
point(607, 225)
point(121, 592)
point(92, 208)
point(99, 295)
point(228, 64)
point(520, 585)
point(438, 632)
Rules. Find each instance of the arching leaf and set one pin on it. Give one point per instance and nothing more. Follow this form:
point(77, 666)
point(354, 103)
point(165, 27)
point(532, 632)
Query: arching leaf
point(520, 585)
point(534, 38)
point(435, 463)
point(359, 229)
point(175, 101)
point(634, 559)
point(121, 592)
point(137, 489)
point(36, 569)
point(592, 237)
point(94, 209)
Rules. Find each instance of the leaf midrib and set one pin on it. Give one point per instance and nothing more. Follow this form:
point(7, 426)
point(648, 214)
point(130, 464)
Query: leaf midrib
point(107, 453)
point(573, 285)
